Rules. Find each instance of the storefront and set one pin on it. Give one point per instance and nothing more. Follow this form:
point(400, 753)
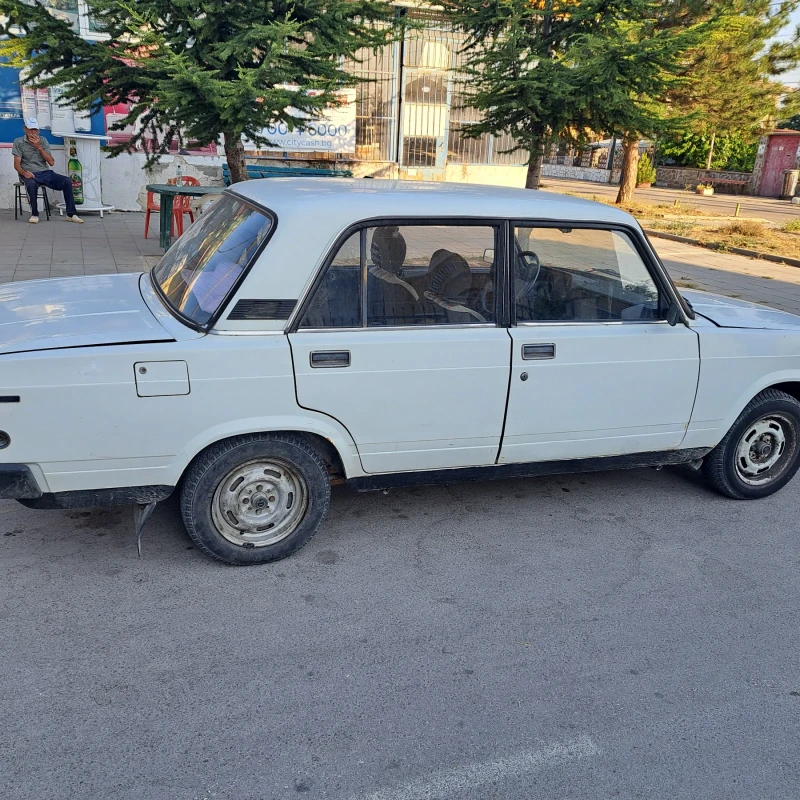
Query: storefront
point(407, 121)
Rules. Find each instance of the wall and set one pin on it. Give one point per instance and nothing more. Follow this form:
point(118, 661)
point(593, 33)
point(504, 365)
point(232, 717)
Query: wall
point(688, 178)
point(513, 176)
point(576, 173)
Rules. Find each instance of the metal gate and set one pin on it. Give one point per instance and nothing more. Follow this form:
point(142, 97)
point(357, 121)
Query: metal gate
point(426, 96)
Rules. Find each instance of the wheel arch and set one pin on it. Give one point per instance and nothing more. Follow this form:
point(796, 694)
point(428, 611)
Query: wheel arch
point(788, 382)
point(333, 443)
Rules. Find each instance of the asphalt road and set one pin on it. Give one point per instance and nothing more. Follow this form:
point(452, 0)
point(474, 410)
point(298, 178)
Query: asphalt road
point(613, 635)
point(769, 208)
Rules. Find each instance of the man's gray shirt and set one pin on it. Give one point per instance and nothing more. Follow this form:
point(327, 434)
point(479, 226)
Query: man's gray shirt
point(31, 159)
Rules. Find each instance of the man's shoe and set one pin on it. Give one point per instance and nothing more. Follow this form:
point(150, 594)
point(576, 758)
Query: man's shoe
point(33, 220)
point(75, 218)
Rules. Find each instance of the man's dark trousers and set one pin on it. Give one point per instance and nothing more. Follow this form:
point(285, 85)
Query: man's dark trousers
point(52, 180)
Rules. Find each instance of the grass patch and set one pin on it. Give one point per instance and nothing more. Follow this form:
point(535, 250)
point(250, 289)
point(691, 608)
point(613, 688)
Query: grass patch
point(747, 228)
point(793, 226)
point(679, 227)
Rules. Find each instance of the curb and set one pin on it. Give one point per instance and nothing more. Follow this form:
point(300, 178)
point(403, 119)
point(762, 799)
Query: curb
point(739, 251)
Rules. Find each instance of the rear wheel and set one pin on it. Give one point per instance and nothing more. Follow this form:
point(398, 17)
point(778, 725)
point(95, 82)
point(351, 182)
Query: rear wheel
point(255, 498)
point(760, 453)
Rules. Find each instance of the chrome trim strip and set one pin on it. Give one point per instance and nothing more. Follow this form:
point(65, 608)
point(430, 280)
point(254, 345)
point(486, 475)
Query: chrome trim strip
point(459, 327)
point(582, 323)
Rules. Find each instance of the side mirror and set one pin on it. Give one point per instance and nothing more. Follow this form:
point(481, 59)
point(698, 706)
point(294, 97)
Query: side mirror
point(673, 314)
point(488, 255)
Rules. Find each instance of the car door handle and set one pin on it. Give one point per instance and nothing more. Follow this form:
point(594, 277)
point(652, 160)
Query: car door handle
point(537, 352)
point(330, 358)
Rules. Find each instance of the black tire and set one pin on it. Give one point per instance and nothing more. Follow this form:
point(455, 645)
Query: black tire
point(725, 466)
point(210, 486)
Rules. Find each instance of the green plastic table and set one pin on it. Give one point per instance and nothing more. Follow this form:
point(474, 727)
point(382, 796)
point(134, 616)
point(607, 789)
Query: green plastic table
point(169, 192)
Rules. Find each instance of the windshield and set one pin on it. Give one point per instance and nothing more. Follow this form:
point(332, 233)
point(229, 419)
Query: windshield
point(198, 271)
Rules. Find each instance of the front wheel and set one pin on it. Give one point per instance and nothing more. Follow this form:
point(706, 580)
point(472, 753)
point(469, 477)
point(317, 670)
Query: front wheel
point(255, 498)
point(760, 453)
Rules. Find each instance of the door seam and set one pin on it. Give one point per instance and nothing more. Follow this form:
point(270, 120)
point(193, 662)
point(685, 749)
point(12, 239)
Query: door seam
point(508, 394)
point(317, 411)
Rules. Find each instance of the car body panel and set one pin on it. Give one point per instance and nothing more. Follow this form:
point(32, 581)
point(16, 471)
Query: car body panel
point(609, 389)
point(115, 438)
point(75, 312)
point(728, 312)
point(412, 399)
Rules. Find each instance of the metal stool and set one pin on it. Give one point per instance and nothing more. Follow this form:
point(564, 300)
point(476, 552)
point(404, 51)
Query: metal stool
point(20, 192)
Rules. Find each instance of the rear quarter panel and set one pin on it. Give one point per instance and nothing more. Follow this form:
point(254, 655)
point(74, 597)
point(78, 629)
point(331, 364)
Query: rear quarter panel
point(82, 424)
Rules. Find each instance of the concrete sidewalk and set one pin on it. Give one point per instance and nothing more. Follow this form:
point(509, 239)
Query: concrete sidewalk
point(116, 243)
point(57, 248)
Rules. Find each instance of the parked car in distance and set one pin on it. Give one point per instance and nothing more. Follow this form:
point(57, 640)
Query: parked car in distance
point(382, 333)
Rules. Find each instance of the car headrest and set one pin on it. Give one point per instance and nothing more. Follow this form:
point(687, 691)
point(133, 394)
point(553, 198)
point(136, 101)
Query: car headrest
point(388, 249)
point(450, 275)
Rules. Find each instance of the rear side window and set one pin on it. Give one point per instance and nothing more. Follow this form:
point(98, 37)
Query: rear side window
point(410, 275)
point(197, 273)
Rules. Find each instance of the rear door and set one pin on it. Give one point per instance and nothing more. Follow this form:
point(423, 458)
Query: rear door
point(596, 369)
point(399, 342)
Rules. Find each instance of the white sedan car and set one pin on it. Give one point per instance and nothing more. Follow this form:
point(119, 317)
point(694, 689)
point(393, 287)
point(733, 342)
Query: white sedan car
point(383, 333)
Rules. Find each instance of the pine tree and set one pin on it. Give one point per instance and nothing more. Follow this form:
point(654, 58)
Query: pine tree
point(202, 69)
point(728, 90)
point(521, 74)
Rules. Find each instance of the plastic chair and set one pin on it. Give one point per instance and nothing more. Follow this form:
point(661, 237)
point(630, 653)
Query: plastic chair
point(21, 196)
point(154, 207)
point(183, 205)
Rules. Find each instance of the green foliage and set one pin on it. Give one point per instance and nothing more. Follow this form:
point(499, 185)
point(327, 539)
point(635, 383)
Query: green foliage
point(645, 171)
point(559, 69)
point(199, 68)
point(727, 85)
point(731, 151)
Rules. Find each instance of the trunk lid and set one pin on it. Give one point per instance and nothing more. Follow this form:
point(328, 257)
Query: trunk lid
point(75, 312)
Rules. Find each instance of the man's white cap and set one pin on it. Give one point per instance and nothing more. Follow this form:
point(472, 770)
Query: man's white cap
point(31, 123)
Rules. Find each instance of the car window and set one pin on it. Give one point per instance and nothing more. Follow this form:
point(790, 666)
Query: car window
point(196, 274)
point(415, 275)
point(430, 275)
point(581, 275)
point(337, 299)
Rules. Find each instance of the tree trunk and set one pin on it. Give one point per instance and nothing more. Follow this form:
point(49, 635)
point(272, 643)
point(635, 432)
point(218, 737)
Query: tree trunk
point(630, 163)
point(534, 176)
point(711, 150)
point(234, 154)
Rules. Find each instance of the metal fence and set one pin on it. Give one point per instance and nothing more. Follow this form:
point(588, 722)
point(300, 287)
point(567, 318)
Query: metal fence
point(411, 106)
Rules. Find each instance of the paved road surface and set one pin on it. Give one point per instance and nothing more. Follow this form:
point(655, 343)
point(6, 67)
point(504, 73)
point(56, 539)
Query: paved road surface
point(768, 208)
point(624, 635)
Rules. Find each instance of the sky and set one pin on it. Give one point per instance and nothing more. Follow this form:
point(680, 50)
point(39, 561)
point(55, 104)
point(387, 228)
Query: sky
point(793, 77)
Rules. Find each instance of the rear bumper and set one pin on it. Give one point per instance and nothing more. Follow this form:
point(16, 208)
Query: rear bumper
point(17, 483)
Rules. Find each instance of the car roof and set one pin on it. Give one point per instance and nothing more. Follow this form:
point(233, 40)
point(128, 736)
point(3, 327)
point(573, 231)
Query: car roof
point(356, 199)
point(312, 213)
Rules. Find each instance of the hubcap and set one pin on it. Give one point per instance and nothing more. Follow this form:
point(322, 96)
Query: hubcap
point(765, 450)
point(259, 503)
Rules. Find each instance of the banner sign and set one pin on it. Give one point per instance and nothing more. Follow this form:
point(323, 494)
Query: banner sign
point(333, 131)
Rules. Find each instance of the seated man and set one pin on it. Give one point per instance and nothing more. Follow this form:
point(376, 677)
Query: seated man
point(32, 160)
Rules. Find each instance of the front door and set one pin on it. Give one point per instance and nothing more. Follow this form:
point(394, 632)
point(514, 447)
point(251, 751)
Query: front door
point(781, 155)
point(596, 370)
point(399, 343)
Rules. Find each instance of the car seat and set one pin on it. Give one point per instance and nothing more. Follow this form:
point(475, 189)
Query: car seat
point(392, 300)
point(450, 285)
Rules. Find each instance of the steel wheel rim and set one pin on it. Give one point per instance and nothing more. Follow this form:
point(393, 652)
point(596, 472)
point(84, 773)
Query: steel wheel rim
point(765, 450)
point(260, 503)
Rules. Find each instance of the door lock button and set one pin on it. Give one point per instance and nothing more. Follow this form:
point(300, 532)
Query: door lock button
point(524, 376)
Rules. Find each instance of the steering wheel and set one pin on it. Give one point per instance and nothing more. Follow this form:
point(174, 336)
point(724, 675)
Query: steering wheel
point(528, 266)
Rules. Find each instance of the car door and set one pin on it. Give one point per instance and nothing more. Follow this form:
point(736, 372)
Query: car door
point(399, 342)
point(596, 368)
